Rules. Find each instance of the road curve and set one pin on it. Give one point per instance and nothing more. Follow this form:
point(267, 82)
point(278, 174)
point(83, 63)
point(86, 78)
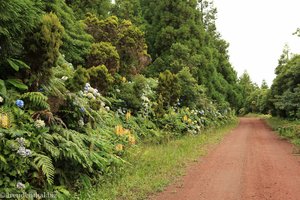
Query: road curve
point(251, 163)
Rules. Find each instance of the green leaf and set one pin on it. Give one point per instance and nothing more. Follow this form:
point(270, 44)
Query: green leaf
point(17, 64)
point(2, 159)
point(2, 88)
point(20, 63)
point(17, 83)
point(13, 65)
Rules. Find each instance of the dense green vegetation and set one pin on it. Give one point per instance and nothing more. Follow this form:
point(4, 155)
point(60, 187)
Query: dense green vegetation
point(286, 129)
point(149, 173)
point(84, 82)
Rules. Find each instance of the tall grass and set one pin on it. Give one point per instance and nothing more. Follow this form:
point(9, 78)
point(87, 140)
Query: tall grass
point(289, 130)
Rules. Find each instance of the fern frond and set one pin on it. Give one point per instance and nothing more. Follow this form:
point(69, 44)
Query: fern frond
point(55, 87)
point(48, 144)
point(85, 180)
point(36, 100)
point(44, 163)
point(73, 151)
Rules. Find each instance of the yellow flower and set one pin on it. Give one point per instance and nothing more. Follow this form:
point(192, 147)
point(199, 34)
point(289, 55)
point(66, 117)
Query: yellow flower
point(126, 132)
point(4, 121)
point(119, 130)
point(124, 79)
point(189, 121)
point(185, 118)
point(128, 115)
point(131, 139)
point(119, 147)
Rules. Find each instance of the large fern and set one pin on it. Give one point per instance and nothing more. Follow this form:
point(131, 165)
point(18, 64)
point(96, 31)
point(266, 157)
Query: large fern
point(55, 87)
point(44, 163)
point(35, 100)
point(73, 151)
point(47, 142)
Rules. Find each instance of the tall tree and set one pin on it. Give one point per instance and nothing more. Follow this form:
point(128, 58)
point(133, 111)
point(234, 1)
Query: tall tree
point(115, 36)
point(264, 85)
point(284, 58)
point(17, 18)
point(130, 10)
point(285, 89)
point(76, 42)
point(42, 48)
point(183, 34)
point(246, 87)
point(100, 8)
point(170, 22)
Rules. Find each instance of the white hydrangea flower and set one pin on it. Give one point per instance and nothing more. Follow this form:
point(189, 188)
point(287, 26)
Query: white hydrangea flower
point(64, 78)
point(120, 111)
point(144, 98)
point(20, 185)
point(39, 123)
point(28, 152)
point(22, 151)
point(91, 90)
point(90, 96)
point(21, 141)
point(81, 123)
point(96, 93)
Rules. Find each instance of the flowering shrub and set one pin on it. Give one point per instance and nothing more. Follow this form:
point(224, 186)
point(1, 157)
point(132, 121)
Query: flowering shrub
point(45, 144)
point(187, 121)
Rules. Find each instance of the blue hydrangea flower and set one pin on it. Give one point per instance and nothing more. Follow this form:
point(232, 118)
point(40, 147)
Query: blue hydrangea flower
point(20, 103)
point(82, 109)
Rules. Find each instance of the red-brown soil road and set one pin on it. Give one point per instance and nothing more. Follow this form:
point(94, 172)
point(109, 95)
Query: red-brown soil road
point(251, 163)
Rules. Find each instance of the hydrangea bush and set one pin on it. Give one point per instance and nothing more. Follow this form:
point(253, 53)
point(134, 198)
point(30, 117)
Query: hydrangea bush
point(83, 135)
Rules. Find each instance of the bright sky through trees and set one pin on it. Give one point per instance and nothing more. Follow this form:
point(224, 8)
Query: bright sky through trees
point(257, 32)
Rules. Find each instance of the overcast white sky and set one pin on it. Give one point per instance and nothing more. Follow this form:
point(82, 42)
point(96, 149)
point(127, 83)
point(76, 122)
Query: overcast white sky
point(257, 31)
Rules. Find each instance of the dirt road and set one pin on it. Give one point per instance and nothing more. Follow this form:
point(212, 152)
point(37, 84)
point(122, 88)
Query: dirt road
point(251, 163)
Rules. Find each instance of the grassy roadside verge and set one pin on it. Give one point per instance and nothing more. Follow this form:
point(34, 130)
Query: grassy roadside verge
point(155, 166)
point(262, 116)
point(286, 129)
